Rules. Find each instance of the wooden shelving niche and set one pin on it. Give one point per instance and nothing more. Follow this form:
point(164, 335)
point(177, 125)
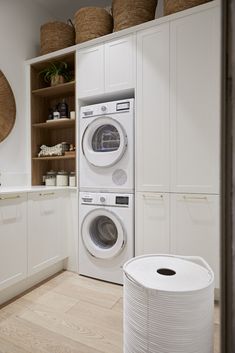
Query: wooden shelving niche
point(44, 98)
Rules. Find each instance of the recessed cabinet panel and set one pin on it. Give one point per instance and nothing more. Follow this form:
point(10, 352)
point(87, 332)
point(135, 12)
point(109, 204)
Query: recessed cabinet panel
point(195, 102)
point(152, 223)
point(90, 71)
point(152, 125)
point(13, 239)
point(120, 64)
point(47, 229)
point(195, 228)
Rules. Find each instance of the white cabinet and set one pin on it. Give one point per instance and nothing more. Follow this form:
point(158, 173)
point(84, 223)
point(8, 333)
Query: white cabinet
point(195, 228)
point(195, 102)
point(13, 239)
point(120, 64)
point(152, 223)
point(90, 71)
point(47, 229)
point(106, 68)
point(152, 115)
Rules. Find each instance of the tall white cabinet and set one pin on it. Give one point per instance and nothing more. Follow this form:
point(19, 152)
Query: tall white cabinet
point(178, 137)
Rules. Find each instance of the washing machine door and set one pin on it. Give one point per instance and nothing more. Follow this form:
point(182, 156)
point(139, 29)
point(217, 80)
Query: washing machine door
point(104, 142)
point(103, 234)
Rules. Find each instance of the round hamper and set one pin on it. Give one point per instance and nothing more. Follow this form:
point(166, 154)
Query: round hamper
point(56, 35)
point(132, 12)
point(168, 305)
point(92, 22)
point(180, 5)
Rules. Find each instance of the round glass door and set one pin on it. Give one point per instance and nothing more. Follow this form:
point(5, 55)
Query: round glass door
point(104, 142)
point(103, 234)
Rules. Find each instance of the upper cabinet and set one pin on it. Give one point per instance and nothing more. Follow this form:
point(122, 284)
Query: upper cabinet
point(106, 68)
point(178, 105)
point(152, 127)
point(195, 102)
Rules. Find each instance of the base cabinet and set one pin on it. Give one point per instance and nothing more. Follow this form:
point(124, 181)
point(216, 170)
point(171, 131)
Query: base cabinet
point(152, 223)
point(179, 224)
point(195, 228)
point(13, 239)
point(46, 230)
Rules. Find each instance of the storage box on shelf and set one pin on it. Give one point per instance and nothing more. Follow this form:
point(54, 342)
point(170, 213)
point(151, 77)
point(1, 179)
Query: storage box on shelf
point(44, 98)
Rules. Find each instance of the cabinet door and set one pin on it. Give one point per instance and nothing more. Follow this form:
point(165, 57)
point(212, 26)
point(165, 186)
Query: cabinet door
point(90, 71)
point(120, 64)
point(195, 102)
point(152, 115)
point(13, 239)
point(46, 230)
point(195, 228)
point(152, 223)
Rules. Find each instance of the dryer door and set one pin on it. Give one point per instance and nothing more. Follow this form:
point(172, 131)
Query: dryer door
point(103, 234)
point(104, 142)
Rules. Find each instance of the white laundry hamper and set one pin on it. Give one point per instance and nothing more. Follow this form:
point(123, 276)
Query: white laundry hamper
point(168, 305)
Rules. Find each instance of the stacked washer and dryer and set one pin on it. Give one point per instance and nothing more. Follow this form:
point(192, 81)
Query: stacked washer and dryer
point(106, 201)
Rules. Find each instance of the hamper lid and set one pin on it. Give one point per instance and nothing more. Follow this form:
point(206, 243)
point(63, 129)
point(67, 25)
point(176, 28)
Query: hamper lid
point(170, 273)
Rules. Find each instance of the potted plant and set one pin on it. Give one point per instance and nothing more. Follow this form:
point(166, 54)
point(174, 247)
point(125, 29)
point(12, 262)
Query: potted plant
point(56, 73)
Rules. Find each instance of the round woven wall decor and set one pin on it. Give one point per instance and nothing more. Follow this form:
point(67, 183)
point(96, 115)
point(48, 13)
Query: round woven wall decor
point(7, 108)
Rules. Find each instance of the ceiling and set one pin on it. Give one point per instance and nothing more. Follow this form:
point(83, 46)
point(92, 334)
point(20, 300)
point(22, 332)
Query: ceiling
point(65, 9)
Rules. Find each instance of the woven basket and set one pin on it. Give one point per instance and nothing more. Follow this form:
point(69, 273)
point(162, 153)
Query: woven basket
point(56, 35)
point(128, 13)
point(92, 22)
point(180, 5)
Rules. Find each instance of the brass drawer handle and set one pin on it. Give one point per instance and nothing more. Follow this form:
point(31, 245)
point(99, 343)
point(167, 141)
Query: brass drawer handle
point(10, 198)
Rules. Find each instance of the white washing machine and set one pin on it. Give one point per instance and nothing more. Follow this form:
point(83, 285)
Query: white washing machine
point(107, 147)
point(106, 234)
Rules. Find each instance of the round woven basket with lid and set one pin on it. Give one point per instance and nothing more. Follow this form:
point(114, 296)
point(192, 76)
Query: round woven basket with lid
point(56, 35)
point(92, 22)
point(132, 12)
point(171, 7)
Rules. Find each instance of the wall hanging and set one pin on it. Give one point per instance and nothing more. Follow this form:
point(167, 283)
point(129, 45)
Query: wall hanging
point(7, 108)
point(180, 5)
point(133, 12)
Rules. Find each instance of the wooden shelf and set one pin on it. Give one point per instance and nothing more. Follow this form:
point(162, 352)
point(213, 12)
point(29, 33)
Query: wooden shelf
point(62, 89)
point(56, 124)
point(69, 156)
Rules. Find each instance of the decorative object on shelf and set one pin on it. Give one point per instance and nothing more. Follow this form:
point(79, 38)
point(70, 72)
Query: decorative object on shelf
point(47, 151)
point(65, 147)
point(72, 179)
point(56, 35)
point(72, 115)
point(56, 73)
point(56, 113)
point(63, 109)
point(50, 178)
point(92, 22)
point(132, 12)
point(7, 108)
point(62, 178)
point(171, 7)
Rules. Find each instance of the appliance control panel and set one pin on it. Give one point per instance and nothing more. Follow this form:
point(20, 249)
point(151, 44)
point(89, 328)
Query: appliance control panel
point(117, 107)
point(103, 199)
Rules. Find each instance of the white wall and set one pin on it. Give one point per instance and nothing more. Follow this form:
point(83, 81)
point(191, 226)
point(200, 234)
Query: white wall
point(19, 40)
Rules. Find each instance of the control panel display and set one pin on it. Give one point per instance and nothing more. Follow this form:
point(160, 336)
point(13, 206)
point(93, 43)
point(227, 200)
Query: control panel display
point(122, 200)
point(123, 106)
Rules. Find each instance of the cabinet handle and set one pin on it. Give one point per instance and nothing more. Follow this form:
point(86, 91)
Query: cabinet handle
point(153, 197)
point(10, 198)
point(195, 197)
point(47, 194)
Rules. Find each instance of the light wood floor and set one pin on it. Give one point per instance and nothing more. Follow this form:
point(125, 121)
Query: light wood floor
point(68, 314)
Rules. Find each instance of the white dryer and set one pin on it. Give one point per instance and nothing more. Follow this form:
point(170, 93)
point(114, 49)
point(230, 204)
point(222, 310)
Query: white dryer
point(107, 147)
point(106, 234)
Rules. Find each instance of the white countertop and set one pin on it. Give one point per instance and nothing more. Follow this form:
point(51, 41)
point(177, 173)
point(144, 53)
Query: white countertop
point(28, 189)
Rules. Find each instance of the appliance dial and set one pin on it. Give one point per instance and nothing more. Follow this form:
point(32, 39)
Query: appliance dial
point(104, 108)
point(102, 199)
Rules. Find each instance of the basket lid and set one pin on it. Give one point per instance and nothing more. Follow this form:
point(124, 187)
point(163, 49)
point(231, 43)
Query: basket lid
point(170, 273)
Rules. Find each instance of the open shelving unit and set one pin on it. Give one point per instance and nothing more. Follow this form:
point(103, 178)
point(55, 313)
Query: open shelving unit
point(43, 98)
